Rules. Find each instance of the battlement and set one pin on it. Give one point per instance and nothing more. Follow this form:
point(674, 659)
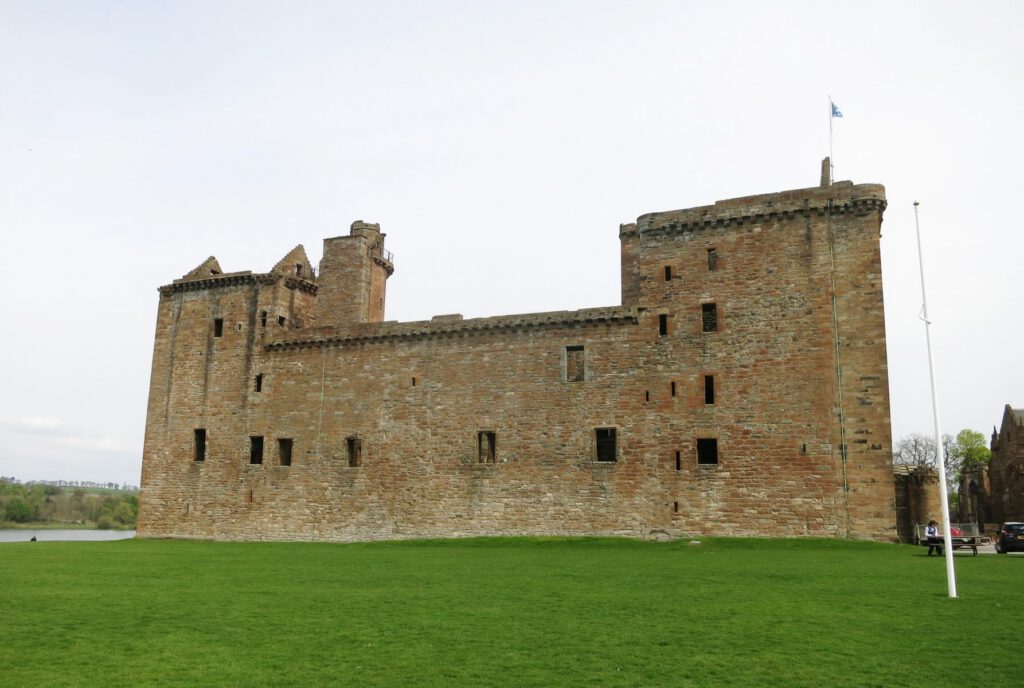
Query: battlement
point(837, 199)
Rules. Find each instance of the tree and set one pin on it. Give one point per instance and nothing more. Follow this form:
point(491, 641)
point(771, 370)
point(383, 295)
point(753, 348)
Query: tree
point(967, 449)
point(18, 510)
point(918, 450)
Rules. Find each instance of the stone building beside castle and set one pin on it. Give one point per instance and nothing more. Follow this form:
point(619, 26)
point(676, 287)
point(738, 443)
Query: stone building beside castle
point(992, 493)
point(740, 388)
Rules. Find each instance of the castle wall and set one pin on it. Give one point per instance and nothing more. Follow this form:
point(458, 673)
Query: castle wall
point(423, 400)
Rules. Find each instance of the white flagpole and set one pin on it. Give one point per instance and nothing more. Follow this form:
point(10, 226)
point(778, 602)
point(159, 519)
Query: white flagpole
point(831, 163)
point(941, 460)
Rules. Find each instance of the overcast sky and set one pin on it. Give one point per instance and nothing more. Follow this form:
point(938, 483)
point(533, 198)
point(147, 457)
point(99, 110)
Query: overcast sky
point(499, 145)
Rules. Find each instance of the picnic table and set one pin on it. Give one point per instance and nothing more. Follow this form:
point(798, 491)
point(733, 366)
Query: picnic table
point(962, 536)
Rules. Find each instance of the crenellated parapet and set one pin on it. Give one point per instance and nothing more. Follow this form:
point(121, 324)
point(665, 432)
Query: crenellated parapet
point(374, 333)
point(838, 199)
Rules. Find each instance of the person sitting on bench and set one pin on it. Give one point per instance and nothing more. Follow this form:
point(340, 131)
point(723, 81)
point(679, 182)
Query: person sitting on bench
point(931, 534)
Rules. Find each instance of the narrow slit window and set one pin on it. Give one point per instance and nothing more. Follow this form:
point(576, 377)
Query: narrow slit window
point(679, 461)
point(663, 324)
point(673, 388)
point(485, 441)
point(709, 317)
point(647, 395)
point(607, 450)
point(707, 451)
point(668, 273)
point(284, 451)
point(200, 444)
point(218, 327)
point(263, 318)
point(414, 382)
point(575, 364)
point(712, 259)
point(259, 383)
point(355, 452)
point(709, 389)
point(675, 507)
point(256, 450)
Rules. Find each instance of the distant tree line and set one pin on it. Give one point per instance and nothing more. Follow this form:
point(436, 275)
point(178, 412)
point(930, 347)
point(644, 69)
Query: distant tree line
point(50, 504)
point(964, 451)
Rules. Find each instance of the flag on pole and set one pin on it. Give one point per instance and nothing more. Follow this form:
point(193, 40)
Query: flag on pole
point(835, 110)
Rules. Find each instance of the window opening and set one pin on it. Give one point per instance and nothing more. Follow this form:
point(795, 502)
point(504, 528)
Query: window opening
point(709, 317)
point(485, 441)
point(280, 320)
point(709, 389)
point(200, 444)
point(355, 451)
point(673, 388)
point(663, 324)
point(712, 259)
point(284, 451)
point(707, 450)
point(298, 269)
point(256, 449)
point(414, 382)
point(647, 395)
point(675, 507)
point(668, 273)
point(218, 327)
point(263, 318)
point(679, 461)
point(606, 449)
point(575, 364)
point(259, 382)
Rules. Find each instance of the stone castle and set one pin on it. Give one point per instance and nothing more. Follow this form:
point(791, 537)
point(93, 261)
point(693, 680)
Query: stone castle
point(739, 389)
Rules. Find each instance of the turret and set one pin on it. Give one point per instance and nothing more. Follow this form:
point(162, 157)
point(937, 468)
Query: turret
point(353, 277)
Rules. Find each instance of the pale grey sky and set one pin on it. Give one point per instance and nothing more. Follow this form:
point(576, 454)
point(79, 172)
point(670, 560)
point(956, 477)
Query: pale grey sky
point(499, 145)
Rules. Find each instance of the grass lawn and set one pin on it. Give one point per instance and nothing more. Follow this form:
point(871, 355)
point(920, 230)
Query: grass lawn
point(505, 612)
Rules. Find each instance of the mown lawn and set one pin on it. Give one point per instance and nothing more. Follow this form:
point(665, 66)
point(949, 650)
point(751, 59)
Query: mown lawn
point(505, 612)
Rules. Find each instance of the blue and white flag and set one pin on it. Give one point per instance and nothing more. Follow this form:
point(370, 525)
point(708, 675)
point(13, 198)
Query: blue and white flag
point(835, 110)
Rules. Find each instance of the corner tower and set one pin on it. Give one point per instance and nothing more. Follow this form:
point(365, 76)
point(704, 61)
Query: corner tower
point(353, 277)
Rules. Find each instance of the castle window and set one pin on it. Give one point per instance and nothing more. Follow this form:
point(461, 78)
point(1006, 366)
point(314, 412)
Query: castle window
point(607, 451)
point(668, 273)
point(414, 381)
point(709, 389)
point(673, 388)
point(263, 318)
point(298, 270)
point(647, 395)
point(259, 382)
point(280, 320)
point(712, 259)
point(575, 365)
point(707, 450)
point(709, 317)
point(679, 461)
point(485, 441)
point(218, 327)
point(355, 451)
point(675, 507)
point(200, 444)
point(284, 451)
point(662, 324)
point(256, 450)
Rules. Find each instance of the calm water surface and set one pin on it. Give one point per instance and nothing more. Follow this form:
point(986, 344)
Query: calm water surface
point(63, 535)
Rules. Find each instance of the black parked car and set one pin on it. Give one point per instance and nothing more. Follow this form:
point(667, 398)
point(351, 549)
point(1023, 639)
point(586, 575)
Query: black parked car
point(1011, 538)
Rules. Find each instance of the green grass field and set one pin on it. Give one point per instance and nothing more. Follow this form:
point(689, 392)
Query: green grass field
point(505, 612)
